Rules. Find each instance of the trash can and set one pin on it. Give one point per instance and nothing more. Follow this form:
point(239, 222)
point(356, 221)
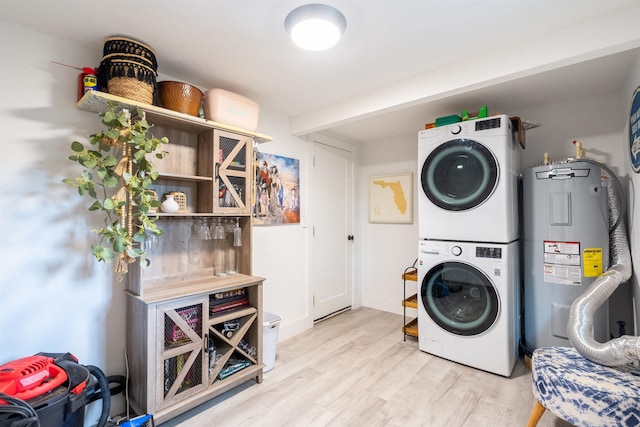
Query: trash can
point(270, 327)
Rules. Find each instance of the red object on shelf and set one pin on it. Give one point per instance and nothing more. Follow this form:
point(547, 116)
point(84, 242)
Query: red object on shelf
point(229, 305)
point(87, 80)
point(30, 377)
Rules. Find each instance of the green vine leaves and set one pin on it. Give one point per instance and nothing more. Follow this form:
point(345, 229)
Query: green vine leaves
point(117, 177)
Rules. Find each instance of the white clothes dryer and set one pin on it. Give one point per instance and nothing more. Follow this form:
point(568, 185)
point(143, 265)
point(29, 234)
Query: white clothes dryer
point(468, 189)
point(468, 303)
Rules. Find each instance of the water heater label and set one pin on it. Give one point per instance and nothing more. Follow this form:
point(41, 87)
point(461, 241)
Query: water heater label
point(562, 263)
point(592, 261)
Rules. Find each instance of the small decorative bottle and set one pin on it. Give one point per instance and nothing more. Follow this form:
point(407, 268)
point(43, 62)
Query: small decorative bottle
point(169, 205)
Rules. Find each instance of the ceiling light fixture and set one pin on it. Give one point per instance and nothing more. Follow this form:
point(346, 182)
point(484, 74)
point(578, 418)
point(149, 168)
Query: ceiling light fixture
point(315, 26)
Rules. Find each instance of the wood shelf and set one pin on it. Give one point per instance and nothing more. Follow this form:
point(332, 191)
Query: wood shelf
point(179, 353)
point(195, 286)
point(186, 215)
point(411, 328)
point(180, 177)
point(411, 275)
point(410, 325)
point(97, 102)
point(233, 314)
point(411, 302)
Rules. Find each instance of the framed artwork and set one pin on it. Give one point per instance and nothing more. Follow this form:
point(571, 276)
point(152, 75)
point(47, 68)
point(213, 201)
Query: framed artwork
point(391, 198)
point(634, 131)
point(277, 190)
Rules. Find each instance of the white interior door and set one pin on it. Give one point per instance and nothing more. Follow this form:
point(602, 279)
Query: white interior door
point(331, 264)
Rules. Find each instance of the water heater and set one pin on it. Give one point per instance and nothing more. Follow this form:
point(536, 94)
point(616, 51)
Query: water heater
point(566, 246)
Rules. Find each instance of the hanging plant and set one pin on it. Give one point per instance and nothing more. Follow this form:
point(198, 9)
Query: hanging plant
point(117, 177)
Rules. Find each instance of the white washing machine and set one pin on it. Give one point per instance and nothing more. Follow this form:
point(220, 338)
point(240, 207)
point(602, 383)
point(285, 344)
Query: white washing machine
point(468, 174)
point(468, 303)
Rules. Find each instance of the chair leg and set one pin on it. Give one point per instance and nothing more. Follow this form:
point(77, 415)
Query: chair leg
point(536, 414)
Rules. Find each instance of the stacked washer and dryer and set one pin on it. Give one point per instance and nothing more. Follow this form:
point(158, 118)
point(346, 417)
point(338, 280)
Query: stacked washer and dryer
point(468, 254)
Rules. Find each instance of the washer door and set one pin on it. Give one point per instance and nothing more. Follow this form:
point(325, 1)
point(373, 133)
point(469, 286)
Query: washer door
point(459, 175)
point(460, 298)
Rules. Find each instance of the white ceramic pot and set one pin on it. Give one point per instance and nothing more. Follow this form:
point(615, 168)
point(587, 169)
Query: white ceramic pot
point(169, 205)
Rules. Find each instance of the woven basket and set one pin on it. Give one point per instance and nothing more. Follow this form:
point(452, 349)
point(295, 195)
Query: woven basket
point(181, 198)
point(126, 45)
point(153, 209)
point(118, 57)
point(128, 69)
point(129, 88)
point(129, 79)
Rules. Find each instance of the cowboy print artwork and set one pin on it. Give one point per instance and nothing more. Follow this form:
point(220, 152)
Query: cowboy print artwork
point(277, 190)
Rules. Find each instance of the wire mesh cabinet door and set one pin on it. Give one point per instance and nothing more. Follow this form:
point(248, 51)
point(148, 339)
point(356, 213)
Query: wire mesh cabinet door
point(233, 172)
point(181, 363)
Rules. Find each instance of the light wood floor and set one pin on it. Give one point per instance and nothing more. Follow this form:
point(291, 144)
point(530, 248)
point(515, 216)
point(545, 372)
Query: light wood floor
point(355, 370)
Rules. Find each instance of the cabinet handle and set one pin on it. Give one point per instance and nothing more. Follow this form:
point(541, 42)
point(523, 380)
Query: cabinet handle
point(217, 171)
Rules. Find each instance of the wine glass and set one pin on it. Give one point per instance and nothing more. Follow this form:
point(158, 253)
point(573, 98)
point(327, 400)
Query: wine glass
point(203, 230)
point(150, 240)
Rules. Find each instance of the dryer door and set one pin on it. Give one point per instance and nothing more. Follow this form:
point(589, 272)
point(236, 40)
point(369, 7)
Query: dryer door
point(460, 298)
point(459, 175)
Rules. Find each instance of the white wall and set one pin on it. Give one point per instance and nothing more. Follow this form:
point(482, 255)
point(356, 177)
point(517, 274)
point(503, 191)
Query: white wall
point(595, 121)
point(280, 253)
point(55, 297)
point(633, 186)
point(385, 250)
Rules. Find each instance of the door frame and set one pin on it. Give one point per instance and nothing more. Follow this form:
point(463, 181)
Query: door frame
point(322, 139)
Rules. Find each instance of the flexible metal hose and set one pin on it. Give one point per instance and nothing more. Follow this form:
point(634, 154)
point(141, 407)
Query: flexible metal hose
point(618, 351)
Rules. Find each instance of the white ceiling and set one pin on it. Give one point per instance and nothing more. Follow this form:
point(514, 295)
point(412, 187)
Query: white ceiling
point(382, 79)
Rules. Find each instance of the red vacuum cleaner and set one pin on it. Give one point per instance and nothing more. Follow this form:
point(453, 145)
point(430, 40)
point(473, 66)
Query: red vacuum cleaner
point(50, 390)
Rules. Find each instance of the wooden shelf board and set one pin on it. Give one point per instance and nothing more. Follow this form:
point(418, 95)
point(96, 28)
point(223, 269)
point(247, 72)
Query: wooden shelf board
point(248, 372)
point(194, 214)
point(180, 177)
point(196, 286)
point(96, 102)
point(216, 319)
point(411, 275)
point(411, 302)
point(411, 328)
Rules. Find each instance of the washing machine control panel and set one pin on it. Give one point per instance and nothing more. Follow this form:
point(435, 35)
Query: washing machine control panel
point(433, 249)
point(488, 252)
